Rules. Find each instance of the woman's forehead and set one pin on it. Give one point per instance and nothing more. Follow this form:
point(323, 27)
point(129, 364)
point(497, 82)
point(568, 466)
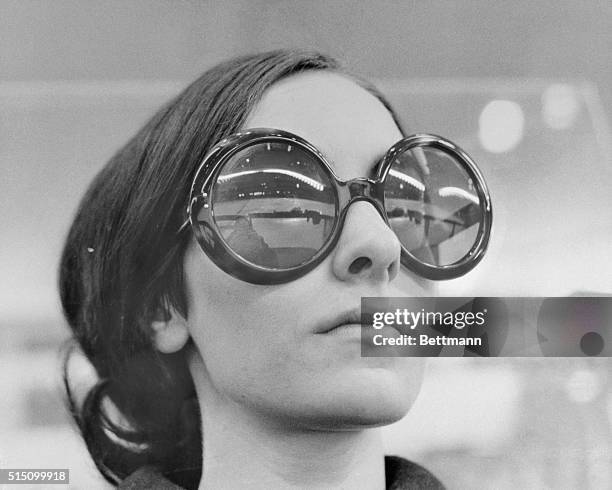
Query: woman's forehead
point(342, 119)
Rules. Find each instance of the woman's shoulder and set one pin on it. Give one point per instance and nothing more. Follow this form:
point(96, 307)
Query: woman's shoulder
point(400, 473)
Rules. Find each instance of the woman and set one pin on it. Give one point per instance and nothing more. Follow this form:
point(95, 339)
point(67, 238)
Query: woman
point(227, 370)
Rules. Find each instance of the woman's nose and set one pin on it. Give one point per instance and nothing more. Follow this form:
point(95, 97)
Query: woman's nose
point(367, 250)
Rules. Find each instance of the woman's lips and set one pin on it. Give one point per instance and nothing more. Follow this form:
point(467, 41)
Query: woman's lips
point(344, 321)
point(346, 328)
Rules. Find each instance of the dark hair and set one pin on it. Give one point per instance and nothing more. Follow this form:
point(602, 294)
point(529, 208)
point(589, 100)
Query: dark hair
point(121, 268)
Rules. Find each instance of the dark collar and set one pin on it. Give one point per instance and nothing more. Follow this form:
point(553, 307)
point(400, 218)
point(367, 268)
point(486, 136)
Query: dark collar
point(400, 474)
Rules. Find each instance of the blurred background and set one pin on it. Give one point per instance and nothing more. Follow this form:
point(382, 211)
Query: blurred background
point(525, 87)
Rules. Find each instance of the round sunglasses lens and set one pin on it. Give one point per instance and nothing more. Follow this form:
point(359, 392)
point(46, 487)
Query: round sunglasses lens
point(274, 204)
point(432, 205)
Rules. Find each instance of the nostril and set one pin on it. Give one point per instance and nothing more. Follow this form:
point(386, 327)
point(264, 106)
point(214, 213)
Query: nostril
point(393, 268)
point(360, 264)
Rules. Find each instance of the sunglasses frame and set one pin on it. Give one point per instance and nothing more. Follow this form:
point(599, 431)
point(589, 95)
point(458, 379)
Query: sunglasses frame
point(347, 192)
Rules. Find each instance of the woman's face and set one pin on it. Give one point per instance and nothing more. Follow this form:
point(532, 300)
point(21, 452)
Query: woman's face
point(261, 346)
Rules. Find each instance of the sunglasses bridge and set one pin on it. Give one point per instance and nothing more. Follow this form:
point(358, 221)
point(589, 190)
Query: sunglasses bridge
point(361, 189)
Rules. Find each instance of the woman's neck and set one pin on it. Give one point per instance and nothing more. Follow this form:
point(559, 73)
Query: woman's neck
point(244, 450)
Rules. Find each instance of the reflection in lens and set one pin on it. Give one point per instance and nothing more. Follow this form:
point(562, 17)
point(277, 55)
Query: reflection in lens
point(274, 205)
point(432, 205)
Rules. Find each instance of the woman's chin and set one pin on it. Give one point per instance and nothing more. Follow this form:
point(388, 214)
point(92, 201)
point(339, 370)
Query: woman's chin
point(367, 397)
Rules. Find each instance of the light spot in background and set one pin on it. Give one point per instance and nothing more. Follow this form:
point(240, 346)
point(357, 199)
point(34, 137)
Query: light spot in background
point(501, 126)
point(583, 386)
point(560, 106)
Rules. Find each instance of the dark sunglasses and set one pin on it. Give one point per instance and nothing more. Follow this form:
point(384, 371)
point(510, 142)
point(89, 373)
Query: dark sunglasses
point(266, 206)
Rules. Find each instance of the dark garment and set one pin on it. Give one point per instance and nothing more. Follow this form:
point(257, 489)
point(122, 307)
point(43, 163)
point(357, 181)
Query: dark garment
point(400, 473)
